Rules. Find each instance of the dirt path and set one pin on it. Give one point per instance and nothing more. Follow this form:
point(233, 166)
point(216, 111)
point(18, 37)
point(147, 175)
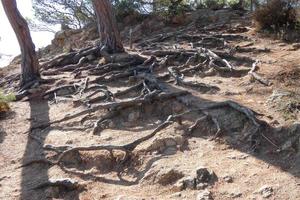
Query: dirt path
point(185, 158)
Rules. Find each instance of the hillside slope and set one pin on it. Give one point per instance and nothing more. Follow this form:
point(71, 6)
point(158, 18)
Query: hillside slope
point(203, 110)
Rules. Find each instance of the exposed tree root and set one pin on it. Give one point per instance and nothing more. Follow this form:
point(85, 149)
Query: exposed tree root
point(257, 77)
point(127, 148)
point(66, 184)
point(70, 58)
point(179, 80)
point(74, 66)
point(153, 96)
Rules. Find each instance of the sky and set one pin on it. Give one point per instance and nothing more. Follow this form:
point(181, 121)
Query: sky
point(8, 43)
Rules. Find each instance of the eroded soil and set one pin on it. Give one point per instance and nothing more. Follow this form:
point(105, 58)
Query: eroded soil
point(249, 153)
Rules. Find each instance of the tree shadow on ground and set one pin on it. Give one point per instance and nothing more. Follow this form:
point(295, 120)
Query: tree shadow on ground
point(36, 174)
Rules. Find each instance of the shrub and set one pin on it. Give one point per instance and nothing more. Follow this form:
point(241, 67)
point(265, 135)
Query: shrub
point(4, 99)
point(214, 4)
point(125, 8)
point(276, 15)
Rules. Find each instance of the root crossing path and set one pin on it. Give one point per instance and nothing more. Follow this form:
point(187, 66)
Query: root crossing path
point(173, 118)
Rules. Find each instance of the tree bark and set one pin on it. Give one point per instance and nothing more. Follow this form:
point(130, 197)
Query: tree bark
point(29, 63)
point(107, 26)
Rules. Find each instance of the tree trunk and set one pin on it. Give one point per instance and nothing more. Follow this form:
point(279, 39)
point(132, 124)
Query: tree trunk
point(107, 26)
point(29, 63)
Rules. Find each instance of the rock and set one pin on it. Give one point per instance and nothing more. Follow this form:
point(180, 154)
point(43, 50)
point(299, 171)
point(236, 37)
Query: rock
point(170, 150)
point(228, 179)
point(169, 177)
point(296, 46)
point(70, 142)
point(177, 194)
point(205, 176)
point(234, 195)
point(204, 195)
point(201, 186)
point(186, 183)
point(266, 191)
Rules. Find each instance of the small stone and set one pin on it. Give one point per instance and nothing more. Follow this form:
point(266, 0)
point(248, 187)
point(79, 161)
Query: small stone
point(266, 191)
point(177, 194)
point(204, 175)
point(235, 195)
point(228, 179)
point(201, 186)
point(296, 46)
point(186, 183)
point(204, 195)
point(69, 142)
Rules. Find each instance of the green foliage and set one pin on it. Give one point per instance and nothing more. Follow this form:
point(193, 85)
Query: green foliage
point(276, 15)
point(7, 98)
point(72, 13)
point(171, 8)
point(4, 99)
point(124, 8)
point(214, 4)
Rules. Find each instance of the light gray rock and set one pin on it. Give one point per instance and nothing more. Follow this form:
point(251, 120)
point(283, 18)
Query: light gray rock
point(186, 183)
point(228, 179)
point(201, 186)
point(266, 191)
point(204, 195)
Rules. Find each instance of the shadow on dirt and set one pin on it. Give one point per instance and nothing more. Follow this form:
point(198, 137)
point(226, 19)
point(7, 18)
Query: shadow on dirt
point(35, 175)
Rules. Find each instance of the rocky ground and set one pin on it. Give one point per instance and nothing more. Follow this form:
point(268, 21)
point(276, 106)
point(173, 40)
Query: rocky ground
point(203, 110)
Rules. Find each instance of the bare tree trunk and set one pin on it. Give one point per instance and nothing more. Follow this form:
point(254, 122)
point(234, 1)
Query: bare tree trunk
point(29, 64)
point(107, 25)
